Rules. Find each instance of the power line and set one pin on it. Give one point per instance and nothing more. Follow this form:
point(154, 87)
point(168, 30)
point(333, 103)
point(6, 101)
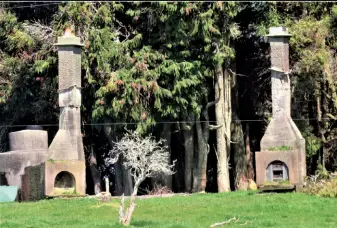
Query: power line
point(31, 6)
point(160, 122)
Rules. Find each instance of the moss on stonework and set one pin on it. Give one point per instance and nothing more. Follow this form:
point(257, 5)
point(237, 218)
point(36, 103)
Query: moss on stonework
point(65, 191)
point(34, 181)
point(276, 183)
point(280, 148)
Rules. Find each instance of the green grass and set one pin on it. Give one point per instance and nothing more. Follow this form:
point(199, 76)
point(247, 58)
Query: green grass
point(201, 210)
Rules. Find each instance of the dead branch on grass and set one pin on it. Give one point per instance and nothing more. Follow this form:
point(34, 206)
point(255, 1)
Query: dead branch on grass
point(228, 221)
point(225, 222)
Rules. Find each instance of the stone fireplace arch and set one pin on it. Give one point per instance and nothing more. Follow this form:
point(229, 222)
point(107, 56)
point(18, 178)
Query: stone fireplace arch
point(64, 180)
point(277, 171)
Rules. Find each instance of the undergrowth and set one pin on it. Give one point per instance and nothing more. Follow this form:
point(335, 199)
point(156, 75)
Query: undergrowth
point(322, 184)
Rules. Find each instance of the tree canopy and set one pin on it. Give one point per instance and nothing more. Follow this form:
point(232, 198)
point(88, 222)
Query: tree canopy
point(156, 67)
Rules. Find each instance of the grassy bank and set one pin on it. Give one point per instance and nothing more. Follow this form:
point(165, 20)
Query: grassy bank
point(270, 210)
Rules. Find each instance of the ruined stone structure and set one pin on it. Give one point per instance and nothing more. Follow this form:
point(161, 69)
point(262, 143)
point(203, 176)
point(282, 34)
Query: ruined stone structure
point(37, 170)
point(65, 165)
point(23, 165)
point(282, 155)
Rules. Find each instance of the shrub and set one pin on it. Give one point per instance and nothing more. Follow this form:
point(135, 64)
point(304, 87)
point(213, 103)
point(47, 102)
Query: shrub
point(159, 190)
point(322, 184)
point(143, 157)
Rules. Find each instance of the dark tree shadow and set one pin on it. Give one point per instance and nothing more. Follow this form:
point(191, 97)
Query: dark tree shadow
point(144, 223)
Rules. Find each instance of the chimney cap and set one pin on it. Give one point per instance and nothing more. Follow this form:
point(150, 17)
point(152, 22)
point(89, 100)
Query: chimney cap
point(68, 39)
point(68, 32)
point(278, 32)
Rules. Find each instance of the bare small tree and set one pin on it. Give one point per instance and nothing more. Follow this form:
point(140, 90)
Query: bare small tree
point(144, 157)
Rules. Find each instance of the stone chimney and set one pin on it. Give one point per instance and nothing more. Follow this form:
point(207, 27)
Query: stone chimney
point(281, 129)
point(67, 143)
point(279, 51)
point(65, 165)
point(282, 141)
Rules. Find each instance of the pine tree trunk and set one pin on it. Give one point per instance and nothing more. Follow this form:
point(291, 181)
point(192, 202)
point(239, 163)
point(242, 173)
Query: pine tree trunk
point(118, 179)
point(127, 182)
point(200, 169)
point(250, 167)
point(95, 174)
point(189, 151)
point(223, 119)
point(178, 178)
point(123, 180)
point(319, 117)
point(238, 147)
point(165, 180)
point(239, 158)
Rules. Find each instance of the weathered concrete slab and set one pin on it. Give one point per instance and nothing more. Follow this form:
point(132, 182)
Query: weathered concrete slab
point(28, 140)
point(13, 164)
point(23, 165)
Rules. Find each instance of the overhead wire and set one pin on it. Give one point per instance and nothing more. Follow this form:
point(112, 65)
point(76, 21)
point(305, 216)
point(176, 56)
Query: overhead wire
point(155, 123)
point(30, 6)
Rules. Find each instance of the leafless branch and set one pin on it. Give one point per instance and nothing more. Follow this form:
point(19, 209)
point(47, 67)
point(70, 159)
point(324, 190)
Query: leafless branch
point(241, 75)
point(210, 104)
point(94, 8)
point(215, 127)
point(144, 157)
point(121, 210)
point(216, 152)
point(225, 222)
point(328, 96)
point(127, 32)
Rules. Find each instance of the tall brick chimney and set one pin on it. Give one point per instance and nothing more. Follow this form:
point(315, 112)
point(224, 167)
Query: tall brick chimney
point(282, 141)
point(280, 82)
point(65, 167)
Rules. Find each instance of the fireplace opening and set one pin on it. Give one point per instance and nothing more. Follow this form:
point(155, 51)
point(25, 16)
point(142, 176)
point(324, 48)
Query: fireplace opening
point(277, 171)
point(3, 179)
point(64, 180)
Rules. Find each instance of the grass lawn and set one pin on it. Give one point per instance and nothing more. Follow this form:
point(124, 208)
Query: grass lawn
point(201, 210)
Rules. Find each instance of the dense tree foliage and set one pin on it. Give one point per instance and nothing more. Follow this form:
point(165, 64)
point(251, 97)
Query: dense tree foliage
point(193, 73)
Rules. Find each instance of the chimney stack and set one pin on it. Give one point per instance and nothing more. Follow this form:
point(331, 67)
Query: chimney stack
point(69, 66)
point(279, 52)
point(65, 165)
point(282, 142)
